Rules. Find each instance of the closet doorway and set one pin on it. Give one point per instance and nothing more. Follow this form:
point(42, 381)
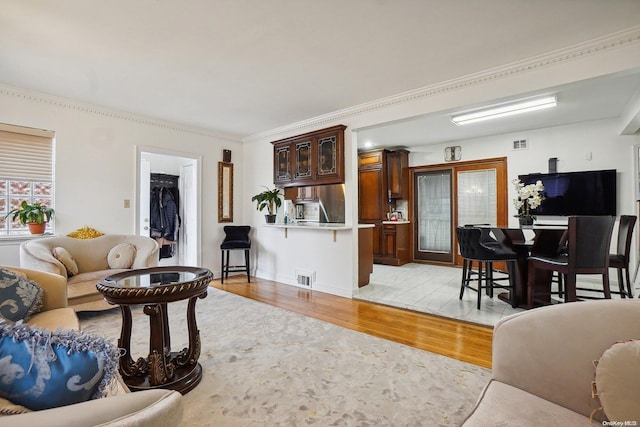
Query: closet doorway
point(449, 195)
point(173, 179)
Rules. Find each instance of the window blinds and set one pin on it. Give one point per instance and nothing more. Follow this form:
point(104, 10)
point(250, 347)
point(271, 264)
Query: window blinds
point(25, 153)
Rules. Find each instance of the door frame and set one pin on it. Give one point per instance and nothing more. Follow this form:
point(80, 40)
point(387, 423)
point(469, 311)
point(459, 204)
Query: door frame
point(196, 160)
point(500, 164)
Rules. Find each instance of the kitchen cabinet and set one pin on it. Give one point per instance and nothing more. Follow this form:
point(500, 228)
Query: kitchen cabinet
point(306, 194)
point(313, 158)
point(395, 244)
point(365, 255)
point(397, 174)
point(383, 176)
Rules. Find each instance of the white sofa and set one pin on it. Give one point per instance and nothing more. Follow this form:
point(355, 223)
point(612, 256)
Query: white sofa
point(90, 256)
point(543, 364)
point(157, 407)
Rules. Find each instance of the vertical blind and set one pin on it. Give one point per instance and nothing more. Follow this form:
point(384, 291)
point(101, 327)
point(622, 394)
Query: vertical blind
point(25, 153)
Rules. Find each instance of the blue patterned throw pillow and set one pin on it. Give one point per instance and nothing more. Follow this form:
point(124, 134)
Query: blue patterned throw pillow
point(41, 369)
point(19, 297)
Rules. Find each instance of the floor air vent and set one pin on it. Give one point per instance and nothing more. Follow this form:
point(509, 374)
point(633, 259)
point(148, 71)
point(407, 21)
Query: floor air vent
point(304, 278)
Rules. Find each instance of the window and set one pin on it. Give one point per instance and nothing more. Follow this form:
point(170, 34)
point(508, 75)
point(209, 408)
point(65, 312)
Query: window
point(26, 172)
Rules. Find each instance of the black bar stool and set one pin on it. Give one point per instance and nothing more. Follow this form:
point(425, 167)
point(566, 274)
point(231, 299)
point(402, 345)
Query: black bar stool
point(237, 238)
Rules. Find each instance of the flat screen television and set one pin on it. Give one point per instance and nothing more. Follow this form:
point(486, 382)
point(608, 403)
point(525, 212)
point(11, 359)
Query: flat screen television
point(576, 193)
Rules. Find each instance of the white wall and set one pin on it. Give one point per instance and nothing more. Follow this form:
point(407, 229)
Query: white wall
point(569, 145)
point(95, 160)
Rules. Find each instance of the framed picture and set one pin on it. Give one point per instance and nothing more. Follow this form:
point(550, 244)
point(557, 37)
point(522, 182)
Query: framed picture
point(225, 192)
point(299, 211)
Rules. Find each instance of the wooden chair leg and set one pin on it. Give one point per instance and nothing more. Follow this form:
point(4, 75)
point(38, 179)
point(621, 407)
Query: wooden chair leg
point(623, 291)
point(226, 272)
point(626, 273)
point(489, 282)
point(570, 288)
point(464, 282)
point(222, 267)
point(246, 264)
point(479, 283)
point(605, 284)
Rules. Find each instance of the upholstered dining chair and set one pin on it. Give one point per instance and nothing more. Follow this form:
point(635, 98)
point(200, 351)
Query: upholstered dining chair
point(587, 252)
point(472, 250)
point(236, 238)
point(620, 260)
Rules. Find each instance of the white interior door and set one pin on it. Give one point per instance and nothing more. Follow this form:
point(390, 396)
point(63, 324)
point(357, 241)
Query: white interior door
point(144, 197)
point(189, 236)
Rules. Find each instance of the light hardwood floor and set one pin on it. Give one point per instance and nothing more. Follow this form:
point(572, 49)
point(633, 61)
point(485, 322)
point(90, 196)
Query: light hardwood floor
point(459, 340)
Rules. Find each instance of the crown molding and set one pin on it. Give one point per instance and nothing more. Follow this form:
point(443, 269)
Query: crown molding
point(581, 50)
point(71, 104)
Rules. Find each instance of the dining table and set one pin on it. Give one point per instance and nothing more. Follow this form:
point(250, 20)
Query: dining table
point(546, 241)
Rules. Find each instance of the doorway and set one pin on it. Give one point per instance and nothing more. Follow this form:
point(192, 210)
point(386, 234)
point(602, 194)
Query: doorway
point(178, 174)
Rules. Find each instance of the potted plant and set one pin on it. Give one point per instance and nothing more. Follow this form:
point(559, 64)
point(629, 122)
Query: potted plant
point(269, 199)
point(33, 215)
point(529, 197)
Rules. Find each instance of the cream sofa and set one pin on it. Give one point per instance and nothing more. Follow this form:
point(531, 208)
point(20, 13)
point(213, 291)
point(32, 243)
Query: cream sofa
point(90, 256)
point(543, 363)
point(156, 407)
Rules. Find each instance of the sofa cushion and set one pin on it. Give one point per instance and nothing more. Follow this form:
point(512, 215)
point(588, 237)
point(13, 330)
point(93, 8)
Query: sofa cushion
point(9, 408)
point(62, 318)
point(63, 255)
point(43, 369)
point(20, 297)
point(618, 381)
point(503, 405)
point(121, 256)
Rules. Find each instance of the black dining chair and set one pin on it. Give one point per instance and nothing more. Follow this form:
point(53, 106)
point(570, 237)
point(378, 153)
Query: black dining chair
point(587, 252)
point(620, 260)
point(236, 238)
point(473, 250)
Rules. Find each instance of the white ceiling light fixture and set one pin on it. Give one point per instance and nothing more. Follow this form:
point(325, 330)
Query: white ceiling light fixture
point(504, 110)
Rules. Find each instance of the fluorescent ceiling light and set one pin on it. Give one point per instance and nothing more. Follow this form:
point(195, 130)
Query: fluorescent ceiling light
point(505, 110)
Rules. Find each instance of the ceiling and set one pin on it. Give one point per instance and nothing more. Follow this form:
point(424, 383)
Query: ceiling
point(594, 99)
point(241, 67)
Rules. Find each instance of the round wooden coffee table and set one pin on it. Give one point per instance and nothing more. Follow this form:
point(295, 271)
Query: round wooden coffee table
point(154, 288)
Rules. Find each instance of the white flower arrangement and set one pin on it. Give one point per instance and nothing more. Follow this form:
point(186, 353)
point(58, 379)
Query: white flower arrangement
point(529, 197)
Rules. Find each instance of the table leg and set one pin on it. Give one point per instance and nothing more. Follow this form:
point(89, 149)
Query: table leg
point(128, 368)
point(189, 356)
point(160, 369)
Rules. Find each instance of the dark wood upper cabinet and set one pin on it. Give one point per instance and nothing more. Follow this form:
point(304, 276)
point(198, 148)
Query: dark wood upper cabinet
point(398, 173)
point(314, 158)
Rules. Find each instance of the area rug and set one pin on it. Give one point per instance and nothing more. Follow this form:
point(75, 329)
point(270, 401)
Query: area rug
point(265, 366)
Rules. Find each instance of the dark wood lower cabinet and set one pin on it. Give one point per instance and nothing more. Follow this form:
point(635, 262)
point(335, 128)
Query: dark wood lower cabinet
point(393, 244)
point(365, 255)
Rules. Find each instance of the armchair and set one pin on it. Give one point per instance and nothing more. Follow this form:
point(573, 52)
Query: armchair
point(543, 363)
point(157, 407)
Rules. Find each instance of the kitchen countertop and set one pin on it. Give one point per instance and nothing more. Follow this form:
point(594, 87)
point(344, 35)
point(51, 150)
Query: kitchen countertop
point(317, 226)
point(396, 222)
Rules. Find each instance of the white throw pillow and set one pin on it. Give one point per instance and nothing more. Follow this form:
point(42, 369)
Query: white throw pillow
point(618, 381)
point(63, 255)
point(121, 256)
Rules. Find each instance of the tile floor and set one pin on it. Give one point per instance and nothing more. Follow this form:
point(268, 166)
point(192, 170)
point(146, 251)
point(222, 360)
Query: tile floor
point(435, 289)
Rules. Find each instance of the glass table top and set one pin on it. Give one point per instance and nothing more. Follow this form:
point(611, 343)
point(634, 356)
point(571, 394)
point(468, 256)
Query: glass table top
point(151, 280)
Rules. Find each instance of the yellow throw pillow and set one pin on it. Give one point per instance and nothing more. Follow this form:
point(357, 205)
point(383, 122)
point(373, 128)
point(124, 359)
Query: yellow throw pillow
point(618, 381)
point(63, 255)
point(121, 256)
point(85, 233)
